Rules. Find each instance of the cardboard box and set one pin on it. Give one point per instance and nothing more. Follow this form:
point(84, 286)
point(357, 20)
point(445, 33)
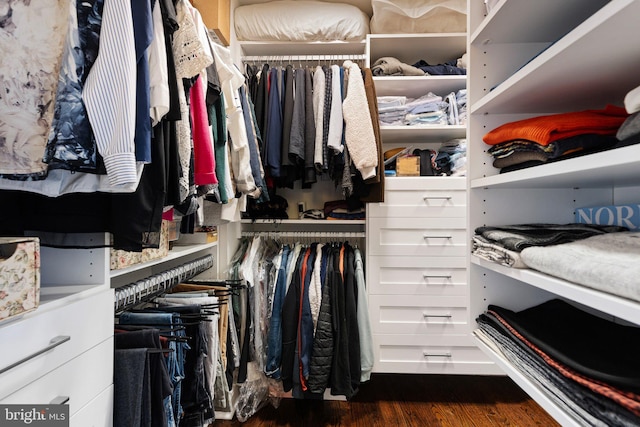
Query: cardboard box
point(197, 238)
point(19, 275)
point(216, 16)
point(620, 215)
point(408, 166)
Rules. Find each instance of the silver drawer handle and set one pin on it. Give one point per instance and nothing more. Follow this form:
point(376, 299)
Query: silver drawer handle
point(55, 341)
point(436, 276)
point(444, 316)
point(427, 354)
point(427, 236)
point(426, 198)
point(59, 400)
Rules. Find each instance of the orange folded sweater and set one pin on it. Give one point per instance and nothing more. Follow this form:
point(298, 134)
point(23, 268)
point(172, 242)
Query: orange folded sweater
point(546, 129)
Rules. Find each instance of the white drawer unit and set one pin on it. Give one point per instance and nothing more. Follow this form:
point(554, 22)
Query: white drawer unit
point(53, 335)
point(438, 276)
point(426, 354)
point(399, 314)
point(77, 381)
point(418, 236)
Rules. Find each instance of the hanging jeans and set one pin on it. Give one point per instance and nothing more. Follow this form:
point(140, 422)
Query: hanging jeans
point(274, 339)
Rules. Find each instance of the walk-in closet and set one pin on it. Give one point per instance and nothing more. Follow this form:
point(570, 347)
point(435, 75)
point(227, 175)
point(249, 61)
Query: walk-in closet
point(319, 213)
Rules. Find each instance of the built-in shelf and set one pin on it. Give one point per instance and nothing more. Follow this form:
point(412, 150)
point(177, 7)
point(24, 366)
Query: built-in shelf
point(553, 19)
point(531, 389)
point(421, 133)
point(587, 80)
point(174, 254)
point(416, 86)
point(305, 227)
point(616, 306)
point(618, 167)
point(434, 48)
point(320, 222)
point(284, 49)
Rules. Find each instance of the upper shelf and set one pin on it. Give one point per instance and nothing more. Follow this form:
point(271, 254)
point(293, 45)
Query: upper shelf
point(526, 21)
point(566, 76)
point(435, 48)
point(251, 48)
point(617, 168)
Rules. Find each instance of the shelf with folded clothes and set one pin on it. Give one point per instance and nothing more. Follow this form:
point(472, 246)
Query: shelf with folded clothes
point(584, 364)
point(508, 87)
point(435, 115)
point(434, 48)
point(617, 167)
point(622, 308)
point(532, 390)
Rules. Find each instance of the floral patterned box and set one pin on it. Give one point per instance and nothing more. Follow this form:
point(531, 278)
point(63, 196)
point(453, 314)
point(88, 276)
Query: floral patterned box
point(123, 259)
point(19, 275)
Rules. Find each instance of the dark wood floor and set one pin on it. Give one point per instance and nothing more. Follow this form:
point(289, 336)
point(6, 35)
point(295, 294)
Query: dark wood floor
point(413, 400)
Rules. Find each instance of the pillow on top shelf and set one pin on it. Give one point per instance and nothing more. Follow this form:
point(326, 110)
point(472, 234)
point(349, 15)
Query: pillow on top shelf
point(300, 21)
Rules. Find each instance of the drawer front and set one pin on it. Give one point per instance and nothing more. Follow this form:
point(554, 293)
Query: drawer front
point(80, 379)
point(417, 236)
point(425, 183)
point(410, 314)
point(97, 413)
point(437, 276)
point(418, 354)
point(85, 322)
point(422, 203)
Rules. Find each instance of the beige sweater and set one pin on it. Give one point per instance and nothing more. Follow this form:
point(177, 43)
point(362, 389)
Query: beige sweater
point(358, 131)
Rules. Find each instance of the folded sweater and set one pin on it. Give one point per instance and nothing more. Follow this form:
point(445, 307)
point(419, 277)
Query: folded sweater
point(549, 128)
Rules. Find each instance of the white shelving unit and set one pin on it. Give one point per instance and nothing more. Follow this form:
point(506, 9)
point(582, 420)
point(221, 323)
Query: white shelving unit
point(528, 59)
point(417, 238)
point(435, 48)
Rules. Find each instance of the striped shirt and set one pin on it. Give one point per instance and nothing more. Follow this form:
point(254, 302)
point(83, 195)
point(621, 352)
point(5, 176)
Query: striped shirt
point(110, 93)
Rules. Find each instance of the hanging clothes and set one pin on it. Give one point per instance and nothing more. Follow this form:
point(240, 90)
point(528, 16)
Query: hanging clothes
point(311, 334)
point(118, 155)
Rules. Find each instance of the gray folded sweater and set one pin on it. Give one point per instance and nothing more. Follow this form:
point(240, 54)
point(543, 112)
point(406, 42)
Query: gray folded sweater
point(390, 66)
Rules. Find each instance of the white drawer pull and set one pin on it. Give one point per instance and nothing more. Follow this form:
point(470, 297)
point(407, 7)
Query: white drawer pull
point(427, 354)
point(444, 316)
point(55, 341)
point(445, 236)
point(437, 276)
point(427, 198)
point(59, 400)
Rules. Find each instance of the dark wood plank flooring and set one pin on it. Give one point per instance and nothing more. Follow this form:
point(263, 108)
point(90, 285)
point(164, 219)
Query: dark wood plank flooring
point(413, 400)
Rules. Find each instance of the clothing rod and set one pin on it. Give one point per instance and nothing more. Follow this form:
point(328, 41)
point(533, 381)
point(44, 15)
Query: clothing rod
point(143, 290)
point(308, 58)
